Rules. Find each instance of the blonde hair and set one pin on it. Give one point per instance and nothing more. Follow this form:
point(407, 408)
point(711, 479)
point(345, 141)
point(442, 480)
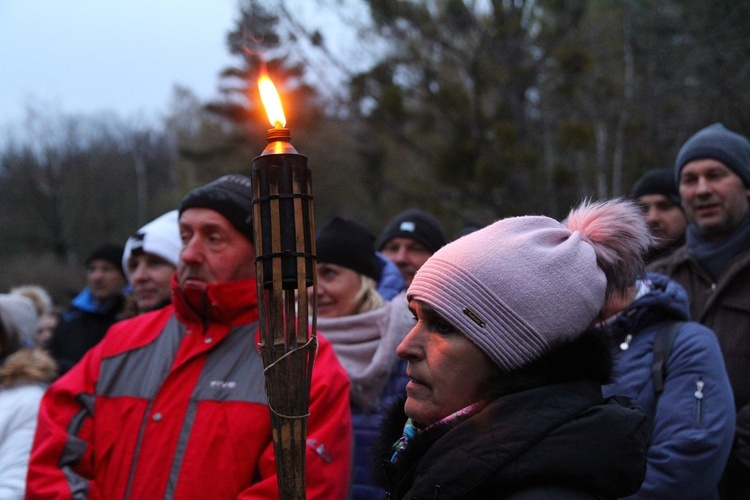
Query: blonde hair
point(27, 366)
point(368, 297)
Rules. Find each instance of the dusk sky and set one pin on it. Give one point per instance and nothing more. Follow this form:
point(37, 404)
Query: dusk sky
point(89, 56)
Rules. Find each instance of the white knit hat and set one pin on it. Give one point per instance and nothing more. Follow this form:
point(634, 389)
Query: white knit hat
point(522, 285)
point(19, 317)
point(160, 237)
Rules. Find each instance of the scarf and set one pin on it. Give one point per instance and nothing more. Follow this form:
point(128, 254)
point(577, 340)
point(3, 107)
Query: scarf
point(365, 345)
point(411, 430)
point(713, 256)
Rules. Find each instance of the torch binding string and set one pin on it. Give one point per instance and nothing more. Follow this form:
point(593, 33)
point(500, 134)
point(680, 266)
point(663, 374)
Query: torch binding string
point(311, 342)
point(281, 196)
point(259, 258)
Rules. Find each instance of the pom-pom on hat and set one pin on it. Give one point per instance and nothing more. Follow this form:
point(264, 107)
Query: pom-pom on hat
point(417, 225)
point(523, 285)
point(719, 143)
point(160, 237)
point(109, 252)
point(347, 243)
point(658, 181)
point(231, 196)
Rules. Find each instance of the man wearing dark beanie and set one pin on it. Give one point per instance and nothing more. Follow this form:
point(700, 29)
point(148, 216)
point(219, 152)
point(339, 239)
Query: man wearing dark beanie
point(656, 193)
point(93, 310)
point(409, 239)
point(179, 391)
point(712, 171)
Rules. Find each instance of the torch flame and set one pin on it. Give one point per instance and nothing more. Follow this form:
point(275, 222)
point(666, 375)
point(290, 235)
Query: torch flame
point(271, 102)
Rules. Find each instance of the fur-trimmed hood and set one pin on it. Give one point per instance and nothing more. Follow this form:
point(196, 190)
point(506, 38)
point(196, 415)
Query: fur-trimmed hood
point(28, 366)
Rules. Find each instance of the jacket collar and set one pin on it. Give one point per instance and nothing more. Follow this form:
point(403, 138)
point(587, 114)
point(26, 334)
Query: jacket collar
point(229, 303)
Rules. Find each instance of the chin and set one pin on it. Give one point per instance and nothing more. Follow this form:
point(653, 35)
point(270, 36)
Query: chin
point(416, 412)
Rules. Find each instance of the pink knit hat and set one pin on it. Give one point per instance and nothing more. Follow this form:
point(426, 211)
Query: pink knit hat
point(522, 285)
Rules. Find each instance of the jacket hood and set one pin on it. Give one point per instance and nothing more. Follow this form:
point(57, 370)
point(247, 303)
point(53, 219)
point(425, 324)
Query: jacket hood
point(666, 299)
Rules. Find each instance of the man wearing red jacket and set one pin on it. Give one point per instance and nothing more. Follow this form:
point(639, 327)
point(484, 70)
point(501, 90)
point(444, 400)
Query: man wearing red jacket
point(171, 404)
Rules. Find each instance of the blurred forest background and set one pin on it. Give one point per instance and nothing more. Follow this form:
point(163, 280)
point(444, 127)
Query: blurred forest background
point(472, 110)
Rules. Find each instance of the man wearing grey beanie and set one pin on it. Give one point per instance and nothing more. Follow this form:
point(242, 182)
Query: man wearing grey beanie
point(504, 394)
point(712, 171)
point(171, 403)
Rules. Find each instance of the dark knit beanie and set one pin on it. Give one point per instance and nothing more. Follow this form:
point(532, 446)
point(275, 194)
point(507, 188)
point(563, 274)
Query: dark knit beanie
point(109, 252)
point(347, 243)
point(417, 225)
point(231, 196)
point(719, 143)
point(659, 181)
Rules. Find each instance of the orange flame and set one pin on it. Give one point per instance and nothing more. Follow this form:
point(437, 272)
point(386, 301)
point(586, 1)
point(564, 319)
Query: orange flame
point(271, 101)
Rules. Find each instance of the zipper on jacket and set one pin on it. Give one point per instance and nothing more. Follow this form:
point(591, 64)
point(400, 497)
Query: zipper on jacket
point(625, 345)
point(698, 400)
point(388, 489)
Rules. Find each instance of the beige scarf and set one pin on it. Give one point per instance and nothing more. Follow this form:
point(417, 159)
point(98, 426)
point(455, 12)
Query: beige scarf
point(365, 344)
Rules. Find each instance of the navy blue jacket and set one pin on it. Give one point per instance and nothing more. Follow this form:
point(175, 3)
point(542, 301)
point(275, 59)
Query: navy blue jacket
point(693, 422)
point(367, 427)
point(82, 326)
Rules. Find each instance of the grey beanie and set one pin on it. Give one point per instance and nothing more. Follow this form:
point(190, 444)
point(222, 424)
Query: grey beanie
point(719, 143)
point(417, 225)
point(514, 288)
point(231, 196)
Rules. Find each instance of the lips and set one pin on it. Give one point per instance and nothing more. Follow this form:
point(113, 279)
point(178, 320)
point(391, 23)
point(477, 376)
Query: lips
point(323, 307)
point(414, 380)
point(144, 292)
point(707, 209)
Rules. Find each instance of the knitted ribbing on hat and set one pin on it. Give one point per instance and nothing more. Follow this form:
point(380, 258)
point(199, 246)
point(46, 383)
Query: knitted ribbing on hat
point(514, 288)
point(719, 143)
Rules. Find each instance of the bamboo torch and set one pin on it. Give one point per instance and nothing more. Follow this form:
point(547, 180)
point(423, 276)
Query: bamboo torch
point(285, 269)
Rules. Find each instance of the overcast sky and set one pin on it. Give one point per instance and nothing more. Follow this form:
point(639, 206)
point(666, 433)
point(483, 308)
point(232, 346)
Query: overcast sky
point(87, 56)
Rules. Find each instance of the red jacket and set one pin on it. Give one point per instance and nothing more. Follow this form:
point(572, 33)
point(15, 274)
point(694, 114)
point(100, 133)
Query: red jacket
point(167, 406)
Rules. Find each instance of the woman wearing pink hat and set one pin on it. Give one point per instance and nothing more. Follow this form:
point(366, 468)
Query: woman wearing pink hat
point(504, 398)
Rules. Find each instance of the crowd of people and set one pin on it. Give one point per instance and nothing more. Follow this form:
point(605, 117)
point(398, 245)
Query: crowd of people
point(598, 356)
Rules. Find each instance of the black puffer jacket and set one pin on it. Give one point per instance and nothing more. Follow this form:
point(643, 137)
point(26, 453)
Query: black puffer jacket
point(556, 441)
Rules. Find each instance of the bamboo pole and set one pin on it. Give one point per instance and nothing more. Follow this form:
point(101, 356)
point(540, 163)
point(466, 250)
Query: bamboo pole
point(285, 265)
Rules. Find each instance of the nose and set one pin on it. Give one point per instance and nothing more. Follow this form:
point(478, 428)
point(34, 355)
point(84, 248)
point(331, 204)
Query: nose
point(400, 255)
point(192, 251)
point(318, 290)
point(702, 186)
point(410, 348)
point(139, 273)
point(652, 215)
point(96, 273)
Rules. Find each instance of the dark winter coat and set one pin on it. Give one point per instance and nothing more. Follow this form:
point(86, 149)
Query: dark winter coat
point(555, 441)
point(723, 306)
point(693, 422)
point(82, 326)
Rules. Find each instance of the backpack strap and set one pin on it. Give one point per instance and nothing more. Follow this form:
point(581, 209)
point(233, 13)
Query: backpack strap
point(662, 346)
